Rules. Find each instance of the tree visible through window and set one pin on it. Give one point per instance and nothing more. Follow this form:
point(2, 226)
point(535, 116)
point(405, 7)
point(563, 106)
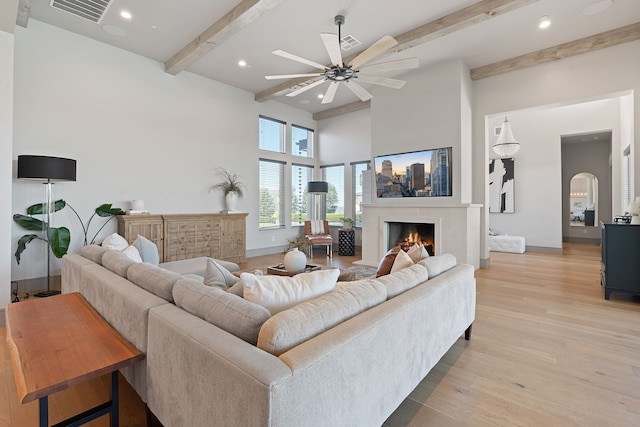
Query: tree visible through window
point(334, 176)
point(359, 188)
point(271, 209)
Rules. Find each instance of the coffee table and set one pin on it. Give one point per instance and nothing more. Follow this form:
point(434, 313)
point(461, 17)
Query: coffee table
point(279, 270)
point(61, 341)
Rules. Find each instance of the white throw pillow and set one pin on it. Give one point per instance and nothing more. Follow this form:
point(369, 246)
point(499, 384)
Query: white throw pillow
point(132, 253)
point(278, 293)
point(417, 252)
point(402, 261)
point(215, 274)
point(115, 241)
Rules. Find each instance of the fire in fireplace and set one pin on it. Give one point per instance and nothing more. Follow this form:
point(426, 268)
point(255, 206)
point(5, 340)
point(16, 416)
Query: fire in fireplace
point(406, 234)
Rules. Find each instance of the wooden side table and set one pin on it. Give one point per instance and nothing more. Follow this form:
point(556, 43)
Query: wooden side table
point(61, 341)
point(346, 242)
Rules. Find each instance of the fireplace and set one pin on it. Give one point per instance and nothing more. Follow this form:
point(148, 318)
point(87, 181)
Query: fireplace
point(406, 234)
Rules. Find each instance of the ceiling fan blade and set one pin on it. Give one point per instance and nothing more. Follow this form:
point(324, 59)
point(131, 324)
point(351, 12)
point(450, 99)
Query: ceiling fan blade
point(306, 88)
point(401, 64)
point(373, 51)
point(298, 59)
point(382, 81)
point(330, 93)
point(332, 44)
point(291, 76)
point(358, 90)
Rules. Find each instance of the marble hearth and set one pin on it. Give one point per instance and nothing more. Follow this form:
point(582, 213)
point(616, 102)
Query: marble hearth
point(456, 230)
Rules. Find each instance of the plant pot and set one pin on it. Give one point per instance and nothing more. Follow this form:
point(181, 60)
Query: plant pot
point(295, 261)
point(231, 200)
point(347, 226)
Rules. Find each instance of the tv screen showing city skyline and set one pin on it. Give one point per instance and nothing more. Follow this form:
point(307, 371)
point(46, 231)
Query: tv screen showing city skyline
point(425, 173)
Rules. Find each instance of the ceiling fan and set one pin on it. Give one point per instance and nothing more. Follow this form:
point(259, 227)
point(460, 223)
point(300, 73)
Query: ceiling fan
point(348, 73)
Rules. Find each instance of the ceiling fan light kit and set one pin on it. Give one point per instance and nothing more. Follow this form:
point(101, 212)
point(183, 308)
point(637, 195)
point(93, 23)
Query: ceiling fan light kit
point(339, 72)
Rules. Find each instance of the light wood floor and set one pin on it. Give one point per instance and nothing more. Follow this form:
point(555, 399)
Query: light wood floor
point(546, 350)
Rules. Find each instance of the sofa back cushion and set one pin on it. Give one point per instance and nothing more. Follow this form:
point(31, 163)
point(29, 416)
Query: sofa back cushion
point(439, 264)
point(156, 280)
point(399, 281)
point(116, 261)
point(93, 252)
point(222, 309)
point(304, 321)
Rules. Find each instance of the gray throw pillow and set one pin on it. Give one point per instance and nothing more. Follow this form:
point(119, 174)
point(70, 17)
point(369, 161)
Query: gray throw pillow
point(215, 275)
point(148, 250)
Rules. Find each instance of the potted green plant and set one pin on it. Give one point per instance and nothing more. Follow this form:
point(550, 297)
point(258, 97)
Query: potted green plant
point(347, 223)
point(231, 186)
point(59, 237)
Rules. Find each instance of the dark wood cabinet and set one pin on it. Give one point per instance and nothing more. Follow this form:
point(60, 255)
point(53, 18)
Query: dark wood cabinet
point(620, 268)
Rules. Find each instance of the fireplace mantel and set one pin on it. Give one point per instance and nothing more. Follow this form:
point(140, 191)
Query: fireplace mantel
point(457, 229)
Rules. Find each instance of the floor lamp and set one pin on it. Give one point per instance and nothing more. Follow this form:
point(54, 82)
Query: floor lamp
point(50, 169)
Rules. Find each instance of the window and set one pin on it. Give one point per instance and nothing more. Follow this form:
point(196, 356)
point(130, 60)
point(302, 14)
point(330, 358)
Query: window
point(361, 189)
point(271, 209)
point(301, 141)
point(300, 176)
point(271, 134)
point(334, 175)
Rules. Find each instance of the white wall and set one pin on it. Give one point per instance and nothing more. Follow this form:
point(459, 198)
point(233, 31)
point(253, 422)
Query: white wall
point(6, 137)
point(538, 164)
point(135, 131)
point(597, 75)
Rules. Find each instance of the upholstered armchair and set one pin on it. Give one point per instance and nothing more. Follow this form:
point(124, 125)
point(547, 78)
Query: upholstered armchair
point(316, 232)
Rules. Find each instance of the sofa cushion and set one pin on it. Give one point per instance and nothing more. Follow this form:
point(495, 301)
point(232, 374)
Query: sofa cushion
point(277, 293)
point(93, 252)
point(402, 280)
point(154, 279)
point(403, 260)
point(222, 309)
point(115, 241)
point(116, 261)
point(387, 261)
point(439, 264)
point(216, 275)
point(196, 265)
point(306, 320)
point(148, 250)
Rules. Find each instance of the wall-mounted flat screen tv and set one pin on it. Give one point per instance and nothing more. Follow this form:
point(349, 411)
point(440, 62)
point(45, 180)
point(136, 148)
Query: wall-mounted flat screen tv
point(425, 173)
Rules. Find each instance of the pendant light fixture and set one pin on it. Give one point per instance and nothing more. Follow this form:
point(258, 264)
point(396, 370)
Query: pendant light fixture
point(506, 145)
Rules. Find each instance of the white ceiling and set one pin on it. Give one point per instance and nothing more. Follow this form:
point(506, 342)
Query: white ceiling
point(294, 26)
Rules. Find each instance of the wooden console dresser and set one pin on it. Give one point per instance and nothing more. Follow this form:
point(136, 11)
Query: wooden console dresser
point(183, 236)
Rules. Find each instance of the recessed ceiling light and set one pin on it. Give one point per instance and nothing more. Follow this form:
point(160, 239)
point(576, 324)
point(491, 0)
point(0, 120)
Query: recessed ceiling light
point(545, 22)
point(320, 96)
point(304, 101)
point(242, 63)
point(125, 14)
point(597, 7)
point(153, 26)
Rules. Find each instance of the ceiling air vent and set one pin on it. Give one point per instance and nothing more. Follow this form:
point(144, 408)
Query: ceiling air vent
point(93, 10)
point(349, 42)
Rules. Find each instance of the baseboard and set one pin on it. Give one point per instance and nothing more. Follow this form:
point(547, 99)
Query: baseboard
point(485, 263)
point(265, 251)
point(544, 250)
point(591, 240)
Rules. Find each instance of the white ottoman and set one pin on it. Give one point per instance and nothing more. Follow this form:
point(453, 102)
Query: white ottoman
point(506, 243)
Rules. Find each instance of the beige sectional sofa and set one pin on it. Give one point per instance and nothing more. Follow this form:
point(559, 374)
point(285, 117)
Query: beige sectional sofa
point(346, 358)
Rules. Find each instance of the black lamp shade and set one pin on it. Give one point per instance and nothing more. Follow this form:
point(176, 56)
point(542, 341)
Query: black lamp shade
point(317, 187)
point(45, 167)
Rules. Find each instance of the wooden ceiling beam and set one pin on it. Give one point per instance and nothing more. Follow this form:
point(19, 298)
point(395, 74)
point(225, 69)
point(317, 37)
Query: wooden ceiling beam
point(239, 17)
point(610, 38)
point(24, 9)
point(343, 109)
point(463, 18)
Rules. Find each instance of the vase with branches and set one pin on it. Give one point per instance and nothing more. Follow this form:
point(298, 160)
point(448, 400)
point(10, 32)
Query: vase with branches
point(231, 186)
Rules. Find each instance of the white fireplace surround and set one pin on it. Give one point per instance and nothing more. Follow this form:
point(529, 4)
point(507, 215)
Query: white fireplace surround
point(456, 230)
